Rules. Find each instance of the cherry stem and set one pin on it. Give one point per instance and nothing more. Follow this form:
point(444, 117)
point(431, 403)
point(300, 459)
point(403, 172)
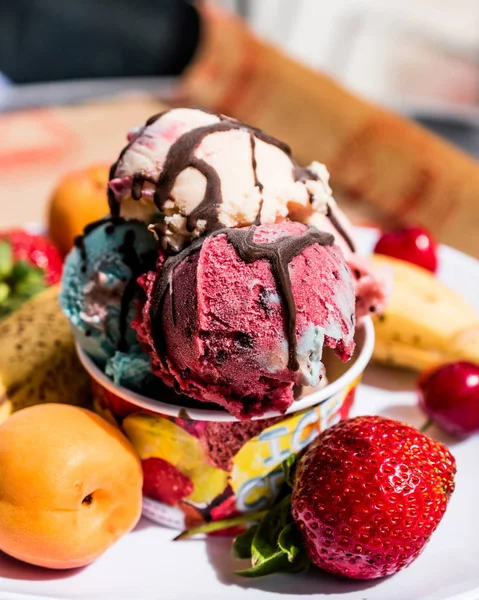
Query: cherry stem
point(223, 524)
point(426, 426)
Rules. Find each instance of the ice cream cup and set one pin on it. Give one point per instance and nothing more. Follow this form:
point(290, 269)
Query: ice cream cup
point(201, 463)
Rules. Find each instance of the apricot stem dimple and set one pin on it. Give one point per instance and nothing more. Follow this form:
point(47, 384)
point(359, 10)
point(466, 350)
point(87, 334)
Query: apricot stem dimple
point(87, 500)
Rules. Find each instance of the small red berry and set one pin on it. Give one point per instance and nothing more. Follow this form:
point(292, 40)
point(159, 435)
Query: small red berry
point(28, 264)
point(450, 397)
point(36, 250)
point(411, 244)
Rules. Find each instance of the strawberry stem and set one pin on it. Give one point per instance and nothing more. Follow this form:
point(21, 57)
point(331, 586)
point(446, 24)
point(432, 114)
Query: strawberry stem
point(426, 426)
point(223, 524)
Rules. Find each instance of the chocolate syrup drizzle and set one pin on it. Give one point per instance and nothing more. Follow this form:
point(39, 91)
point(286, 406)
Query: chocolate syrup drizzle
point(137, 187)
point(181, 156)
point(79, 241)
point(279, 252)
point(257, 182)
point(306, 174)
point(139, 179)
point(137, 265)
point(340, 229)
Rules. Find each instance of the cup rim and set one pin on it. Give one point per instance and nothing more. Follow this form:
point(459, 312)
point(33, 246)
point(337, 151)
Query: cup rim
point(206, 414)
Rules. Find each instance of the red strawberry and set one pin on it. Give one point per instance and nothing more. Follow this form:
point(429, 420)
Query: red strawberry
point(367, 495)
point(28, 264)
point(163, 482)
point(450, 396)
point(412, 244)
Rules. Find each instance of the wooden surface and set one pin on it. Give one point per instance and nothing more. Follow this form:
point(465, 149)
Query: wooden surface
point(37, 147)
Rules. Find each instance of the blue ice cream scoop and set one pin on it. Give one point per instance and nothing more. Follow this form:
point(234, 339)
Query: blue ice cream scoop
point(100, 295)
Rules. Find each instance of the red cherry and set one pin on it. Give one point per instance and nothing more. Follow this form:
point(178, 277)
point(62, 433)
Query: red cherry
point(412, 244)
point(450, 396)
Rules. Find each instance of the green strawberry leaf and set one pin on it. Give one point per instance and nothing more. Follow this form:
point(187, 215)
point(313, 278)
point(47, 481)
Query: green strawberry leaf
point(275, 563)
point(290, 542)
point(267, 555)
point(243, 542)
point(21, 281)
point(27, 280)
point(287, 541)
point(289, 468)
point(274, 544)
point(6, 259)
point(265, 542)
point(242, 519)
point(22, 270)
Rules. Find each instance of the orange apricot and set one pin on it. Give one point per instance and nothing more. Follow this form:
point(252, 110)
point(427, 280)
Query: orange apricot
point(70, 486)
point(79, 198)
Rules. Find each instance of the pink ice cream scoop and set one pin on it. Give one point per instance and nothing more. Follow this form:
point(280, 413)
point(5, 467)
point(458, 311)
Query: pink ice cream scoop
point(240, 317)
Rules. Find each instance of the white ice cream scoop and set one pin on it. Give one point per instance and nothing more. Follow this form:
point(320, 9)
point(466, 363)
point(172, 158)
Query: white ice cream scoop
point(197, 171)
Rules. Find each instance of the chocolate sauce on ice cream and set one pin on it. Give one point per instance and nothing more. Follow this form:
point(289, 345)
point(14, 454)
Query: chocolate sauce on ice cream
point(278, 252)
point(181, 155)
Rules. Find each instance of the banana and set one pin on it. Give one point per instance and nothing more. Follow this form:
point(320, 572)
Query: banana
point(38, 362)
point(425, 323)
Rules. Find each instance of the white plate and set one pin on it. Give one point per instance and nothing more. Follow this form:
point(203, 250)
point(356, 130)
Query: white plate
point(146, 565)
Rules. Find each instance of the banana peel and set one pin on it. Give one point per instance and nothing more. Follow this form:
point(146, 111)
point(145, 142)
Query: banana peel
point(38, 361)
point(425, 323)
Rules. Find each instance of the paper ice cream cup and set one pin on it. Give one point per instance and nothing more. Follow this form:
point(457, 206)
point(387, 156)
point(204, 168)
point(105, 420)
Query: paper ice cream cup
point(202, 464)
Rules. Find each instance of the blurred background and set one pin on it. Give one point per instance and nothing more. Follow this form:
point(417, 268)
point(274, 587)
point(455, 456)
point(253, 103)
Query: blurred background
point(420, 58)
point(395, 51)
point(417, 57)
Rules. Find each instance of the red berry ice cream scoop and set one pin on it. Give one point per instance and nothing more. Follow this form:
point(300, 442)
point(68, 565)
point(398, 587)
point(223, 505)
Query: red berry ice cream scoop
point(412, 244)
point(450, 396)
point(241, 317)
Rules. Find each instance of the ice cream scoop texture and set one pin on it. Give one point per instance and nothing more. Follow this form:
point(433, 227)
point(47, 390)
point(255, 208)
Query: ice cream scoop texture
point(202, 171)
point(241, 317)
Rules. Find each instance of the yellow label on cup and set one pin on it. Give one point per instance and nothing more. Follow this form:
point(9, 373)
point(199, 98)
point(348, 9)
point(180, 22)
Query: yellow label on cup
point(257, 475)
